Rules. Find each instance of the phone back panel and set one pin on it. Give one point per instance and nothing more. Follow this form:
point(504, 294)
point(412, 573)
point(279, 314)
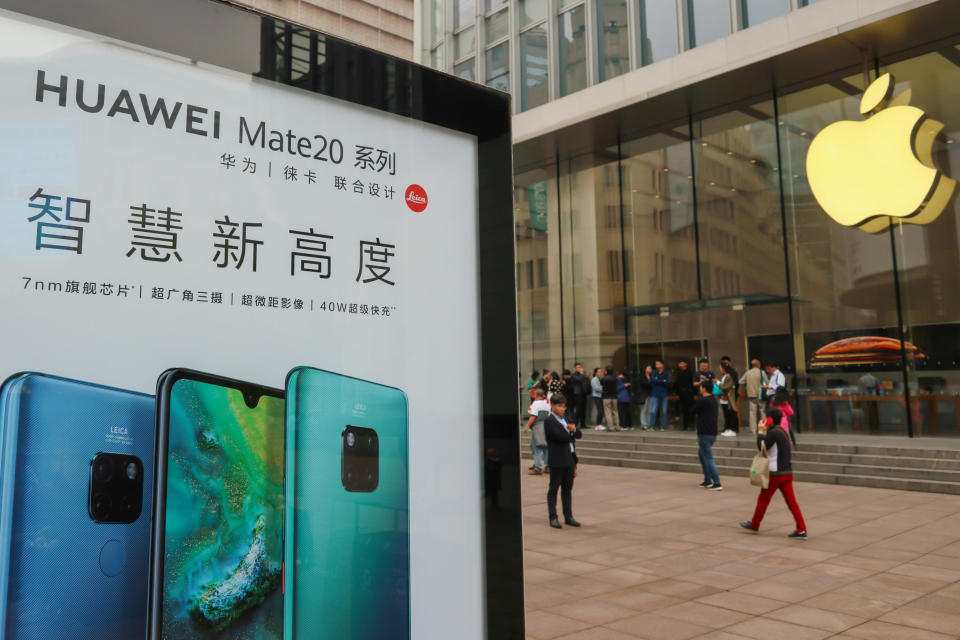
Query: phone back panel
point(347, 552)
point(64, 575)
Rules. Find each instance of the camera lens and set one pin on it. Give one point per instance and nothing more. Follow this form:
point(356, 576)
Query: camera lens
point(369, 441)
point(102, 468)
point(132, 470)
point(100, 506)
point(351, 439)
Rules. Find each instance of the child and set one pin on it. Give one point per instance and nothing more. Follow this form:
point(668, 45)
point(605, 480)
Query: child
point(781, 401)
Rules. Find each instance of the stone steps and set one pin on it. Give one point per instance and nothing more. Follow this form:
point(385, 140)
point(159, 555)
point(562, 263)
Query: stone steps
point(895, 467)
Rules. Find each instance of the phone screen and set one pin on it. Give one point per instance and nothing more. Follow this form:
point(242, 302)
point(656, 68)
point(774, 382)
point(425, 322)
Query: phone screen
point(223, 542)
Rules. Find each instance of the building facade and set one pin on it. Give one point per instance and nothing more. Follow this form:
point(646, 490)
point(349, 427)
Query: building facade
point(664, 208)
point(385, 25)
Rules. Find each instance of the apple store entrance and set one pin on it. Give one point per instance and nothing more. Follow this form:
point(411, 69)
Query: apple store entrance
point(703, 237)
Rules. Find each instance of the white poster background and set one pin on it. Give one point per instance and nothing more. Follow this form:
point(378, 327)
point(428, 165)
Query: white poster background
point(428, 345)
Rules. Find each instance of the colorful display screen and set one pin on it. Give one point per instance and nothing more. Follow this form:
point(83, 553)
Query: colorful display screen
point(223, 545)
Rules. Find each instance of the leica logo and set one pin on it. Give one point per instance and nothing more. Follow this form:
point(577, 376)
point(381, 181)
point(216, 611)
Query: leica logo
point(120, 431)
point(416, 198)
point(359, 407)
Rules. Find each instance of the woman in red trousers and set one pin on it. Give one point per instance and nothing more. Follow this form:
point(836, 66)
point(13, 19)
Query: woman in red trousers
point(777, 441)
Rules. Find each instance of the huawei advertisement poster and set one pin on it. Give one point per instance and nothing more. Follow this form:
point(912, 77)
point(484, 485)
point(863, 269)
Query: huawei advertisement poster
point(229, 306)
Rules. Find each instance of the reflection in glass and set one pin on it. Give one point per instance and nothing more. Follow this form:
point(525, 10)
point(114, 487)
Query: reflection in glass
point(572, 48)
point(464, 42)
point(498, 26)
point(436, 21)
point(658, 30)
point(613, 38)
point(534, 87)
point(757, 11)
point(464, 13)
point(532, 11)
point(498, 66)
point(708, 20)
point(466, 70)
point(493, 5)
point(436, 57)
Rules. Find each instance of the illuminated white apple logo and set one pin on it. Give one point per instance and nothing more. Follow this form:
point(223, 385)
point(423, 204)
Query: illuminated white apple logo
point(865, 173)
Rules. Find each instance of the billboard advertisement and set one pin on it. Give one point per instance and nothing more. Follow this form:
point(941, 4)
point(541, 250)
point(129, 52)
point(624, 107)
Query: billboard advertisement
point(230, 306)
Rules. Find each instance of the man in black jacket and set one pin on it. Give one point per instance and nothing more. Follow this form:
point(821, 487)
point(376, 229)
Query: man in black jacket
point(563, 461)
point(683, 387)
point(581, 389)
point(706, 410)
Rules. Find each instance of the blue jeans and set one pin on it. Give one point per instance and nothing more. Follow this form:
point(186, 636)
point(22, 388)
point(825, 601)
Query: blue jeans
point(539, 457)
point(710, 473)
point(655, 404)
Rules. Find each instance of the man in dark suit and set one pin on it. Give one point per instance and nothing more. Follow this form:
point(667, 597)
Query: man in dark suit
point(563, 461)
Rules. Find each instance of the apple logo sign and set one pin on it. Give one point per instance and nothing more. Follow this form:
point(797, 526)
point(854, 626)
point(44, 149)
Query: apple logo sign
point(866, 173)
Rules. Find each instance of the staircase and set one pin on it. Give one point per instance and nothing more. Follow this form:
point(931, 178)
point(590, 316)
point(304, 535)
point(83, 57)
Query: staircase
point(898, 464)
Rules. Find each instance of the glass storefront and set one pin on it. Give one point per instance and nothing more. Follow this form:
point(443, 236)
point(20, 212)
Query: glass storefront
point(702, 238)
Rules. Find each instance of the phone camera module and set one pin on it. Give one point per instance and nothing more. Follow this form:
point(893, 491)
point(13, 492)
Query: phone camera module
point(360, 471)
point(116, 488)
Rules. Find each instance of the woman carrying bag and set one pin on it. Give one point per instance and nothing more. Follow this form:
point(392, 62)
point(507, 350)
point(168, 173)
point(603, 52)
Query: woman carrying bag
point(777, 443)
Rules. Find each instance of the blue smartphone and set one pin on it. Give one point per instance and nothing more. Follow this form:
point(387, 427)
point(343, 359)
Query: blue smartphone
point(346, 544)
point(75, 503)
point(217, 548)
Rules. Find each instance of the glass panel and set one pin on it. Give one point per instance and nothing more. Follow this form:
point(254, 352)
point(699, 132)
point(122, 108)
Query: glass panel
point(613, 38)
point(572, 50)
point(929, 255)
point(592, 255)
point(464, 43)
point(658, 30)
point(532, 11)
point(498, 25)
point(807, 3)
point(436, 21)
point(533, 58)
point(498, 66)
point(757, 11)
point(464, 13)
point(493, 5)
point(466, 70)
point(538, 299)
point(709, 20)
point(436, 58)
point(844, 285)
point(568, 3)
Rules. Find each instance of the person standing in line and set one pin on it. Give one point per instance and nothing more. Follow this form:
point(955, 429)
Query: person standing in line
point(596, 390)
point(623, 401)
point(642, 395)
point(772, 435)
point(706, 411)
point(556, 384)
point(703, 373)
point(726, 364)
point(660, 389)
point(563, 462)
point(532, 381)
point(581, 389)
point(544, 383)
point(567, 392)
point(775, 380)
point(683, 387)
point(728, 400)
point(538, 411)
point(753, 381)
point(609, 382)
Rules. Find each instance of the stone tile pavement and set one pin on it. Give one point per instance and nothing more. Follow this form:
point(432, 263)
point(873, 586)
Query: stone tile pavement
point(659, 558)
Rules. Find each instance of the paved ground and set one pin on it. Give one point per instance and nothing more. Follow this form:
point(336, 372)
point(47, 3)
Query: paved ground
point(658, 558)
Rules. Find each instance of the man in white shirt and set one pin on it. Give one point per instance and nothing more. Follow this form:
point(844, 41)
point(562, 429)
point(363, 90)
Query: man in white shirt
point(775, 380)
point(538, 411)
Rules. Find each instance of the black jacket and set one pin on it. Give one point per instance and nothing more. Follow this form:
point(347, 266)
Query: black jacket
point(609, 383)
point(581, 386)
point(559, 440)
point(706, 410)
point(683, 384)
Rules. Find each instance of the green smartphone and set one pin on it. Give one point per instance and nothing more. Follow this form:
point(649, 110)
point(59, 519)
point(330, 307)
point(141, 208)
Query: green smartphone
point(346, 540)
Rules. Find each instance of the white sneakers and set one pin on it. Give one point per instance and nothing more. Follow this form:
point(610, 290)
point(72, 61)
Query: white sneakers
point(729, 433)
point(599, 427)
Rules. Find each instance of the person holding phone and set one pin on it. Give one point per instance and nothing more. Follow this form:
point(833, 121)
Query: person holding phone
point(563, 461)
